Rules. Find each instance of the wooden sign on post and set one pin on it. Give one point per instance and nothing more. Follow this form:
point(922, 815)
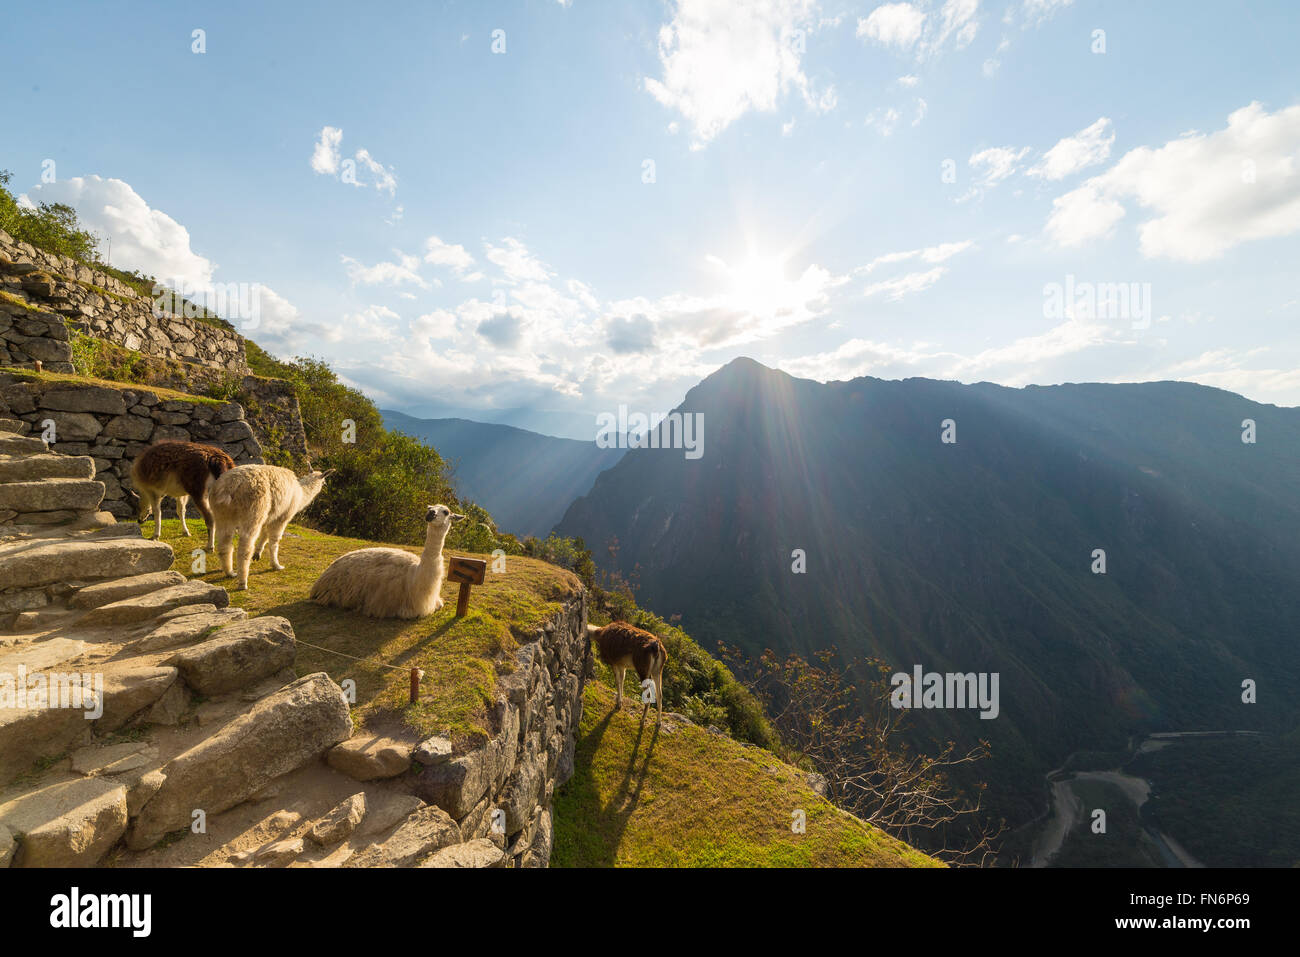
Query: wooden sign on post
point(466, 571)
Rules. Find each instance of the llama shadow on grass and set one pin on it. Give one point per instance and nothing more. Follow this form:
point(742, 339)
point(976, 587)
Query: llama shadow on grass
point(609, 819)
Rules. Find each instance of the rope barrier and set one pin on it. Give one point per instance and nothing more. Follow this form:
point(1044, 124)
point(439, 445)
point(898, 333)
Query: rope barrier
point(364, 661)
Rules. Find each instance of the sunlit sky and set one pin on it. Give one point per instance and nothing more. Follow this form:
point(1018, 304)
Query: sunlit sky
point(604, 202)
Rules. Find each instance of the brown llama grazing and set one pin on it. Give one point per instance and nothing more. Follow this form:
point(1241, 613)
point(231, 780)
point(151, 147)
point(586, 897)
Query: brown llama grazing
point(183, 470)
point(624, 646)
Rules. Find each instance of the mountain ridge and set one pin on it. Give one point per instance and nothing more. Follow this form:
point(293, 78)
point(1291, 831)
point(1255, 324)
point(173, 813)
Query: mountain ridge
point(975, 556)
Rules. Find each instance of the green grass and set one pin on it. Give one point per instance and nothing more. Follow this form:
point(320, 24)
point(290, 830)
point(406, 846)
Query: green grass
point(19, 301)
point(461, 658)
point(688, 798)
point(159, 391)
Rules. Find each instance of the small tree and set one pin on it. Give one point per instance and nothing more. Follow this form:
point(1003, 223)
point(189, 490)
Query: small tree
point(854, 739)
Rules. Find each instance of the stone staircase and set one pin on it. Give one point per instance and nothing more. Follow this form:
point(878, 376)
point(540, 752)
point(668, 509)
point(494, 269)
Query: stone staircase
point(137, 705)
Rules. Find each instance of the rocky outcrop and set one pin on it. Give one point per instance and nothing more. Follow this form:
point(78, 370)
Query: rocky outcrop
point(278, 734)
point(46, 294)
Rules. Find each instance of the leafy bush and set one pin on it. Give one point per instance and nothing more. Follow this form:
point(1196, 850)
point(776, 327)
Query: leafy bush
point(50, 226)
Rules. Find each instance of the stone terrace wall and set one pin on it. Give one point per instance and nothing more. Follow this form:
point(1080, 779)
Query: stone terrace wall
point(115, 425)
point(531, 751)
point(114, 312)
point(28, 335)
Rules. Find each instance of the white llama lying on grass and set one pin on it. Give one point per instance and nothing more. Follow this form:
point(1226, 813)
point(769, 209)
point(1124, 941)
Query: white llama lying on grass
point(390, 582)
point(256, 502)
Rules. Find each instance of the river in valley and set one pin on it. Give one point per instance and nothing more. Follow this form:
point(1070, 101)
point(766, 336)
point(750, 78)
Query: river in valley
point(1067, 807)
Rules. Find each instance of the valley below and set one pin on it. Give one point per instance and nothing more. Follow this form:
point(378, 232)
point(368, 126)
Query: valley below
point(1069, 818)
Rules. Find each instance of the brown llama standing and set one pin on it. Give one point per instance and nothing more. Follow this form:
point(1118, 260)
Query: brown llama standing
point(624, 646)
point(183, 470)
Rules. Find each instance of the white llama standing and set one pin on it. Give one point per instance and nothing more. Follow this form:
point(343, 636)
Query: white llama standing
point(256, 502)
point(390, 582)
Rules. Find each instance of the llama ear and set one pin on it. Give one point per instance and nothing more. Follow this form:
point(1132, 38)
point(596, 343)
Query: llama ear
point(457, 518)
point(327, 473)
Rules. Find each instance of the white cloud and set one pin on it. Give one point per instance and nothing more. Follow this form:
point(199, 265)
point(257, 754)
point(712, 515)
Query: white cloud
point(893, 24)
point(906, 26)
point(955, 21)
point(996, 163)
point(1017, 363)
point(1036, 12)
point(1088, 147)
point(404, 270)
point(929, 254)
point(1204, 193)
point(721, 59)
point(370, 324)
point(445, 254)
point(913, 282)
point(142, 238)
point(325, 157)
point(1232, 369)
point(384, 179)
point(516, 262)
point(1083, 214)
point(885, 121)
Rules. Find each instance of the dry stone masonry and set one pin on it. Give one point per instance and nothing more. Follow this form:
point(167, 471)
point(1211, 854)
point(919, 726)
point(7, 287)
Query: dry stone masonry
point(46, 294)
point(112, 426)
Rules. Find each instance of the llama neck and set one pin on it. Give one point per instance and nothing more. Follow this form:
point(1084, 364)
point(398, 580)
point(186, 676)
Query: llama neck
point(306, 493)
point(431, 560)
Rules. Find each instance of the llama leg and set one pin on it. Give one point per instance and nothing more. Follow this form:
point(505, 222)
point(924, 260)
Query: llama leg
point(155, 506)
point(180, 511)
point(207, 520)
point(274, 539)
point(618, 685)
point(659, 694)
point(226, 549)
point(261, 545)
point(246, 541)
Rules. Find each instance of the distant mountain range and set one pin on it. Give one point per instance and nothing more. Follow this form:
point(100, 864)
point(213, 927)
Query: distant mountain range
point(979, 555)
point(524, 479)
point(554, 422)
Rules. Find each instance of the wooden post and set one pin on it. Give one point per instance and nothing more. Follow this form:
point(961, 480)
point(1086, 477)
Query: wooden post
point(415, 684)
point(466, 571)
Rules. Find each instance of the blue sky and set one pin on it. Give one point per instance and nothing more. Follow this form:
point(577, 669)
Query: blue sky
point(837, 189)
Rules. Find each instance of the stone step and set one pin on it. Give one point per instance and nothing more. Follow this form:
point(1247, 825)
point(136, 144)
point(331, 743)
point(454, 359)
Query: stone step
point(46, 465)
point(13, 426)
point(104, 593)
point(186, 630)
point(11, 444)
point(31, 731)
point(150, 605)
point(52, 494)
point(238, 655)
point(25, 564)
point(129, 692)
point(67, 824)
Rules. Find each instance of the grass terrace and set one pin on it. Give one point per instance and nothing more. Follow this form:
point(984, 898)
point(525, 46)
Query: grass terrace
point(461, 658)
